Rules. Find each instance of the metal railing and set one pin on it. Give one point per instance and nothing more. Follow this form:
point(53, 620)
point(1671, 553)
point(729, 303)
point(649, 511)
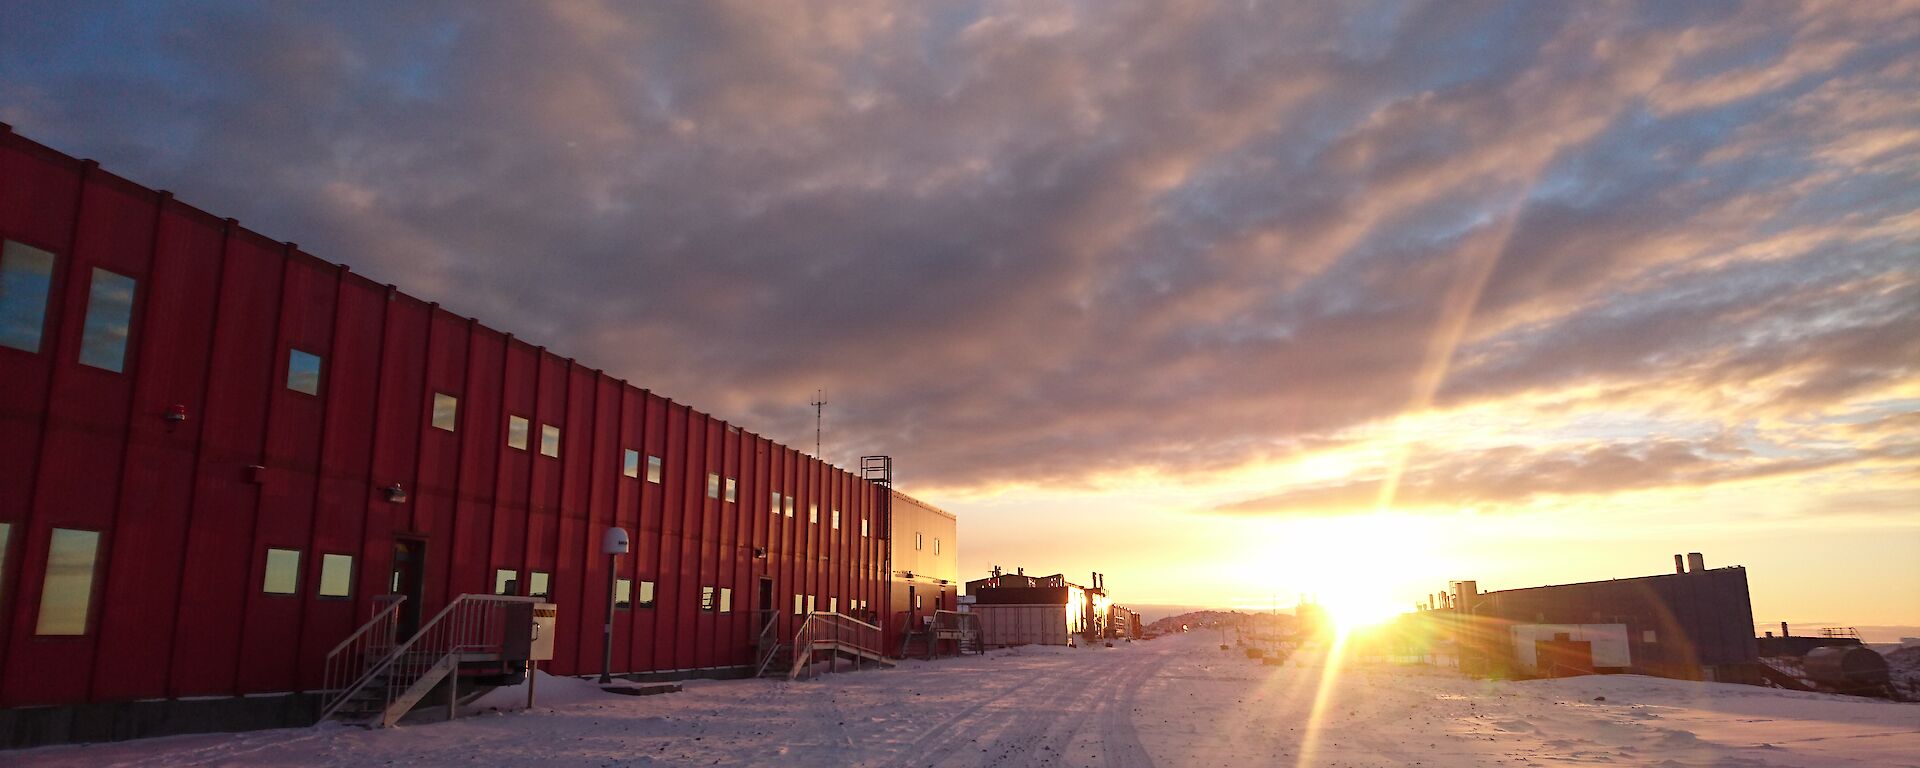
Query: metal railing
point(768, 644)
point(367, 646)
point(957, 626)
point(832, 632)
point(469, 625)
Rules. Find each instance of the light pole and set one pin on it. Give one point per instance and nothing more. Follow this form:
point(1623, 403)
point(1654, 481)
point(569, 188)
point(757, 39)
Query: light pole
point(613, 544)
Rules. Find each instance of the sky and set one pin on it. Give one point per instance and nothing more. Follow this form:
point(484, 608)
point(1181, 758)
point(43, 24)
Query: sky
point(1232, 302)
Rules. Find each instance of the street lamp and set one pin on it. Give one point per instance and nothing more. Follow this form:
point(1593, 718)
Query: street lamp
point(613, 544)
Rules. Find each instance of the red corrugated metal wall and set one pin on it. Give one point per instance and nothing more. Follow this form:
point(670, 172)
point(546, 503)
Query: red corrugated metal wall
point(177, 605)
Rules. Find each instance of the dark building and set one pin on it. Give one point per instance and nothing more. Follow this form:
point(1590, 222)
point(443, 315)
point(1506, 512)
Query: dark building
point(1695, 623)
point(219, 452)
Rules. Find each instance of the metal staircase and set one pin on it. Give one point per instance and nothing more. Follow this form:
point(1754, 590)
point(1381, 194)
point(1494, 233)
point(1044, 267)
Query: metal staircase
point(374, 681)
point(962, 629)
point(833, 636)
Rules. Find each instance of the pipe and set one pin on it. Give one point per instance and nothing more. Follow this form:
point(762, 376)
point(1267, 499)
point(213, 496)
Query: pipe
point(1679, 564)
point(1783, 630)
point(1696, 562)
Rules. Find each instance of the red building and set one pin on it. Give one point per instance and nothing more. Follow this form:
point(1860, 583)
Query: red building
point(216, 450)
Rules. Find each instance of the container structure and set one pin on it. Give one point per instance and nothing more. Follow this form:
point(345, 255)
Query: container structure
point(219, 453)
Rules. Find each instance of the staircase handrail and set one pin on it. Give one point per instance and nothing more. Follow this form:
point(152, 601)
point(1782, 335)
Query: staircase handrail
point(378, 614)
point(839, 628)
point(772, 649)
point(374, 670)
point(366, 646)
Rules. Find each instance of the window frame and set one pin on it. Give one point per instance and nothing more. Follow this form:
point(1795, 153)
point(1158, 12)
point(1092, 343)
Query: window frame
point(52, 269)
point(320, 586)
point(295, 354)
point(88, 597)
point(500, 584)
point(655, 469)
point(709, 599)
point(90, 334)
point(713, 485)
point(732, 490)
point(646, 598)
point(620, 602)
point(630, 463)
point(550, 438)
point(540, 584)
point(452, 424)
point(267, 572)
point(519, 429)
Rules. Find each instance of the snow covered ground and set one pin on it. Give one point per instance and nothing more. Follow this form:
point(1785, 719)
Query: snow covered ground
point(1176, 701)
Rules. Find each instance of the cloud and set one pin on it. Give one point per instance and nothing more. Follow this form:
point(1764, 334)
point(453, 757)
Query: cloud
point(1513, 475)
point(1039, 243)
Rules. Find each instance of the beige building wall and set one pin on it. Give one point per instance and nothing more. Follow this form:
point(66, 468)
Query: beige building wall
point(926, 560)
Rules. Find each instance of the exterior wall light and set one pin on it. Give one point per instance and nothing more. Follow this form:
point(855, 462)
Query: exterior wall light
point(396, 494)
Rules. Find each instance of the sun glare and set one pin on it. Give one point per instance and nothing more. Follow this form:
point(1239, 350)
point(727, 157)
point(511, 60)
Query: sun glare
point(1362, 570)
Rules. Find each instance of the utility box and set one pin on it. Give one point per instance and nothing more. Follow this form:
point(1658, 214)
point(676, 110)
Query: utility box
point(545, 617)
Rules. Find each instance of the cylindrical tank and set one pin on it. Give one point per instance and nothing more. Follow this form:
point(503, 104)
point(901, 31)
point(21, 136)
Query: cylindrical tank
point(1846, 666)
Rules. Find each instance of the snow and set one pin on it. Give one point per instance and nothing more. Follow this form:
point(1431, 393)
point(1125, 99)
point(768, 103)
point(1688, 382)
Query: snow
point(1175, 701)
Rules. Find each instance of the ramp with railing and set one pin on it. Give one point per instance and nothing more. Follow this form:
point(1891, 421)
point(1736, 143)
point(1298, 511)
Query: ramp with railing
point(388, 680)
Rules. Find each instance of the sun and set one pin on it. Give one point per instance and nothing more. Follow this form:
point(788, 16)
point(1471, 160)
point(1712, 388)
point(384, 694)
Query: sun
point(1355, 610)
point(1362, 570)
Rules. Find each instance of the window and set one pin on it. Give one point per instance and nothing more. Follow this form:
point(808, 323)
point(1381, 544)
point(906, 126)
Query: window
point(726, 600)
point(863, 527)
point(776, 503)
point(646, 594)
point(833, 605)
point(919, 540)
point(732, 488)
point(653, 469)
point(517, 433)
point(445, 410)
point(537, 584)
point(303, 372)
point(706, 599)
point(789, 504)
point(936, 545)
point(26, 277)
point(1647, 636)
point(505, 582)
point(550, 440)
point(336, 575)
point(813, 514)
point(713, 485)
point(283, 572)
point(798, 605)
point(836, 519)
point(623, 593)
point(68, 590)
point(916, 601)
point(810, 603)
point(103, 340)
point(630, 463)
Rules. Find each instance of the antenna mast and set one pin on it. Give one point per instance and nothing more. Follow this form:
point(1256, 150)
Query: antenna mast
point(819, 406)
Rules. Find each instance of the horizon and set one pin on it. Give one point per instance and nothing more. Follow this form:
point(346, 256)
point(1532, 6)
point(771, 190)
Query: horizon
point(1529, 294)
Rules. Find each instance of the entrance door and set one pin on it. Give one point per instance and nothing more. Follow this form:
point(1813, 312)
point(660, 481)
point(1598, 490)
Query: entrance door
point(768, 611)
point(409, 577)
